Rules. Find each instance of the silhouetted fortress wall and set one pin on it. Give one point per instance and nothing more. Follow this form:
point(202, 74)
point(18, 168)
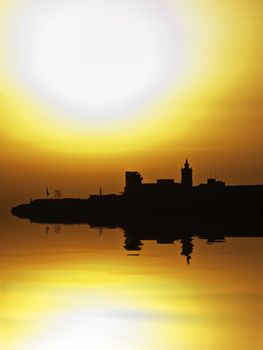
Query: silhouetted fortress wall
point(165, 198)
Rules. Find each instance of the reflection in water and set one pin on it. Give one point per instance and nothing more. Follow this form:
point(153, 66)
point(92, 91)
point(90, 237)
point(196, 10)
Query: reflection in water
point(47, 230)
point(79, 289)
point(169, 233)
point(187, 247)
point(132, 243)
point(56, 228)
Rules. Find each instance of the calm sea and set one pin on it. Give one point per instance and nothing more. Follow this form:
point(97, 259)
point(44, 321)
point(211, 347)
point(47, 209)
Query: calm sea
point(77, 287)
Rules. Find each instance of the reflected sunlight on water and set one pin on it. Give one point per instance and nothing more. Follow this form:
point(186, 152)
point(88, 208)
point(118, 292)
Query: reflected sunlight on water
point(73, 287)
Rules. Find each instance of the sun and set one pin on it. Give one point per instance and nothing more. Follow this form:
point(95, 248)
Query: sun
point(95, 60)
point(89, 329)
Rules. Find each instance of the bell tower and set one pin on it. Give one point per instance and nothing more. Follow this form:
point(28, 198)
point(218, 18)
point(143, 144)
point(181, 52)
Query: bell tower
point(187, 175)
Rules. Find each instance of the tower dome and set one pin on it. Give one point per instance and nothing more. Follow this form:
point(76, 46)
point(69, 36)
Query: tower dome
point(187, 174)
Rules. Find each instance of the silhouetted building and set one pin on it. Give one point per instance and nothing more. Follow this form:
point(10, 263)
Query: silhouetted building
point(164, 198)
point(133, 183)
point(132, 180)
point(165, 182)
point(187, 175)
point(215, 183)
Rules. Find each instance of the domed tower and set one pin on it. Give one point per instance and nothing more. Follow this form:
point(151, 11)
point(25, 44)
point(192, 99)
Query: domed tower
point(187, 175)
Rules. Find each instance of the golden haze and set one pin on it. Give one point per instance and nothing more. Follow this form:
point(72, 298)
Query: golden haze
point(212, 114)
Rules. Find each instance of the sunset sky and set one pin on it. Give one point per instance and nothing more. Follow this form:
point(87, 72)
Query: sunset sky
point(89, 89)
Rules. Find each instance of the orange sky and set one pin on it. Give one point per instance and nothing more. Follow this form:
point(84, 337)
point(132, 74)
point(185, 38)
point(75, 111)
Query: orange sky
point(209, 109)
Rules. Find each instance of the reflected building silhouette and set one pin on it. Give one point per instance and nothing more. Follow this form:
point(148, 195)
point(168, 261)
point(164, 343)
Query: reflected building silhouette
point(132, 243)
point(187, 247)
point(57, 228)
point(184, 232)
point(47, 230)
point(181, 231)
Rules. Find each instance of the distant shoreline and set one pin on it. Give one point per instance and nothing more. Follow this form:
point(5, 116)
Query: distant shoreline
point(165, 200)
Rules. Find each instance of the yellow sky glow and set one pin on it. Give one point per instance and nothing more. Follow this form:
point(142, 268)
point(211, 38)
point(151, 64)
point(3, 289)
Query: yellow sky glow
point(210, 108)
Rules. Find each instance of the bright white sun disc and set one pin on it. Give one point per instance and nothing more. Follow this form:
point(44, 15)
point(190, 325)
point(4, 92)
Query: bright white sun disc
point(95, 59)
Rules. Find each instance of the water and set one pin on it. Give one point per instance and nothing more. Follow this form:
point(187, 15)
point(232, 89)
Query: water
point(76, 287)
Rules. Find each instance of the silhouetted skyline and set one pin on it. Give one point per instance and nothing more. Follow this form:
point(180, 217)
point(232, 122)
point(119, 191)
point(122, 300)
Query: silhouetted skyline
point(164, 199)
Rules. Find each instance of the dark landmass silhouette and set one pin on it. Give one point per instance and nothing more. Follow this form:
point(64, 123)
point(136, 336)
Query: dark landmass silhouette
point(164, 202)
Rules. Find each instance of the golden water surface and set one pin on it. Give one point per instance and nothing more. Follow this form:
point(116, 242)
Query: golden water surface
point(76, 287)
